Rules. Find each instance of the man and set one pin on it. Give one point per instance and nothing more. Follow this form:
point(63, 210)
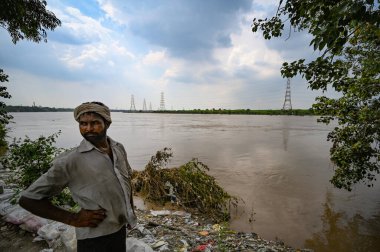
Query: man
point(97, 173)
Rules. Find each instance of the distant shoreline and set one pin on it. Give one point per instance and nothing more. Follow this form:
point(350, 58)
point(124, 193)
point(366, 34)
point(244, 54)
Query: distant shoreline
point(300, 112)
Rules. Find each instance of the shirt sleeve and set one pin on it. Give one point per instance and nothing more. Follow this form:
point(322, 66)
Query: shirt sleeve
point(50, 183)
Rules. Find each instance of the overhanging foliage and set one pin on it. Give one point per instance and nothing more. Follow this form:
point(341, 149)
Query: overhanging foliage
point(347, 33)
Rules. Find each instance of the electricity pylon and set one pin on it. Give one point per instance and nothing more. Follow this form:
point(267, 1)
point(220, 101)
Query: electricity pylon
point(144, 105)
point(287, 102)
point(162, 102)
point(133, 107)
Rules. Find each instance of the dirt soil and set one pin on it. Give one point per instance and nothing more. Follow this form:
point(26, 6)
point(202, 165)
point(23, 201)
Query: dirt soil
point(13, 238)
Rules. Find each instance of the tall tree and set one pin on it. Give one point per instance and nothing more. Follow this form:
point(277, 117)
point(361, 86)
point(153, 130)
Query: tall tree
point(347, 34)
point(23, 19)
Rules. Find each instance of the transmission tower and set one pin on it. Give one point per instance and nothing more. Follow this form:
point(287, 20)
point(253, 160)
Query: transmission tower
point(133, 107)
point(162, 102)
point(287, 102)
point(144, 105)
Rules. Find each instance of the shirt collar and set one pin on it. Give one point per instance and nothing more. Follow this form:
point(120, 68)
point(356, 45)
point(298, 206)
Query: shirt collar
point(86, 146)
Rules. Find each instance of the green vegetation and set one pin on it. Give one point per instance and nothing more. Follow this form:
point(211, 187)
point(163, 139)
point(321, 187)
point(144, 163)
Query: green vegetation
point(347, 34)
point(4, 116)
point(25, 19)
point(188, 185)
point(3, 142)
point(35, 109)
point(29, 159)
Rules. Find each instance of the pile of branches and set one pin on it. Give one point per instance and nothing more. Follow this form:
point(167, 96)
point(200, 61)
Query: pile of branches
point(189, 186)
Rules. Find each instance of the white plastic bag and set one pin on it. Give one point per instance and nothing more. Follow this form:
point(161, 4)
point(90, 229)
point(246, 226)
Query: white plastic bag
point(6, 207)
point(17, 215)
point(69, 239)
point(7, 194)
point(160, 212)
point(52, 230)
point(32, 223)
point(135, 245)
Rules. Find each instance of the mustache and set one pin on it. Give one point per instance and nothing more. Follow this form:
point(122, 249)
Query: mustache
point(91, 134)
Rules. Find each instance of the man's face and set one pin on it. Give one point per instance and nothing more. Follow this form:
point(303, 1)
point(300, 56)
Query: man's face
point(92, 127)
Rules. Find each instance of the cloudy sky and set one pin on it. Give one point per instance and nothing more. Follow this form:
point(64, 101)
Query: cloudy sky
point(199, 53)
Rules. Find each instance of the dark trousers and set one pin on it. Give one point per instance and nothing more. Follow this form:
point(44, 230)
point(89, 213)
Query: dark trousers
point(107, 243)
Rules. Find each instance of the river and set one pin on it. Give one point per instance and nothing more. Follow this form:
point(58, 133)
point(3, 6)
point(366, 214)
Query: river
point(279, 166)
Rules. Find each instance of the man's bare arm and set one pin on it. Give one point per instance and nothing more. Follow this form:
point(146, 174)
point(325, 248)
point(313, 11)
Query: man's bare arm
point(45, 209)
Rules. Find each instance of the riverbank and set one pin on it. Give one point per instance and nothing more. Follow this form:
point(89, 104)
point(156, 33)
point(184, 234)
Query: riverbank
point(159, 228)
point(162, 230)
point(165, 228)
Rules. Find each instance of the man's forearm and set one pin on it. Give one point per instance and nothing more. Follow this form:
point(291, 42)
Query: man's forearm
point(45, 209)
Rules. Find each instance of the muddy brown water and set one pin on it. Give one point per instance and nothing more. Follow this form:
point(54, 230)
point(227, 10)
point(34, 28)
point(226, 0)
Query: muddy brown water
point(279, 166)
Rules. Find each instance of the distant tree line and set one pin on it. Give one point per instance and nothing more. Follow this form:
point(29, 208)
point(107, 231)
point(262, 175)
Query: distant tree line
point(300, 112)
point(35, 109)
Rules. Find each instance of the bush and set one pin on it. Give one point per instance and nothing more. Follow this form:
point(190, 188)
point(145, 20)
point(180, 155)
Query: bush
point(29, 159)
point(189, 185)
point(3, 142)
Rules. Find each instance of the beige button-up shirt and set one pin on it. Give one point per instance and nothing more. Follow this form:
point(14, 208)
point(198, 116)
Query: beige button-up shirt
point(95, 182)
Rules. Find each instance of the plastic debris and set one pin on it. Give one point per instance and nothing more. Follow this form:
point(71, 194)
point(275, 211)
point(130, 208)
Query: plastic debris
point(158, 244)
point(6, 194)
point(69, 239)
point(203, 233)
point(32, 223)
point(133, 244)
point(160, 212)
point(17, 216)
point(6, 207)
point(216, 227)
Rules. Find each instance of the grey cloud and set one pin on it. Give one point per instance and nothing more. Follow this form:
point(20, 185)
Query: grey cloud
point(215, 76)
point(210, 77)
point(244, 73)
point(188, 29)
point(224, 41)
point(42, 59)
point(65, 37)
point(184, 78)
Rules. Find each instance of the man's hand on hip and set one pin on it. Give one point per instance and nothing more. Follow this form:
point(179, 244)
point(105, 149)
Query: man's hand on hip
point(87, 218)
